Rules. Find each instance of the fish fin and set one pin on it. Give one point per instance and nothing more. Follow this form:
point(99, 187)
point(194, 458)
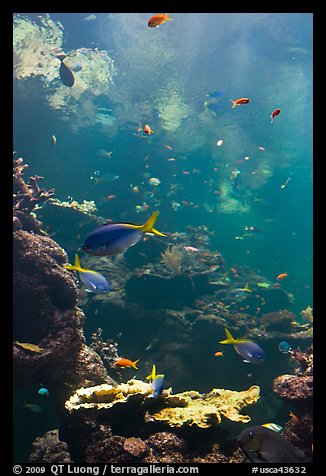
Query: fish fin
point(247, 361)
point(166, 17)
point(61, 57)
point(134, 364)
point(77, 262)
point(229, 339)
point(147, 227)
point(234, 104)
point(247, 288)
point(152, 374)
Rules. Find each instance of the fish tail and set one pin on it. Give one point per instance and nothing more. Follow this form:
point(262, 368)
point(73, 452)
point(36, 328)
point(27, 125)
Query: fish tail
point(147, 227)
point(247, 288)
point(74, 267)
point(229, 340)
point(134, 364)
point(234, 103)
point(166, 17)
point(61, 57)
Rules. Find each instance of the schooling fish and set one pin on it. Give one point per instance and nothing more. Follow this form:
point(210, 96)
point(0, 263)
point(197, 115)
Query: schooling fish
point(94, 282)
point(115, 238)
point(239, 101)
point(65, 72)
point(123, 363)
point(263, 445)
point(282, 276)
point(159, 19)
point(249, 350)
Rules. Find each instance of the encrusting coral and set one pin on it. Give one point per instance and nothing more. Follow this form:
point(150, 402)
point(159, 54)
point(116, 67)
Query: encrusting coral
point(184, 409)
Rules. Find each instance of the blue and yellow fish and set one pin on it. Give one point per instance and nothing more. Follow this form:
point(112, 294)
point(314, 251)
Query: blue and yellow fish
point(94, 281)
point(157, 385)
point(249, 350)
point(113, 238)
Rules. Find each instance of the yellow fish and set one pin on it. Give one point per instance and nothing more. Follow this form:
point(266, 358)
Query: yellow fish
point(31, 347)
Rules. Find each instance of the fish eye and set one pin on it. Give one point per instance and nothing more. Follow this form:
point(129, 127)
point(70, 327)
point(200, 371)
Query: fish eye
point(251, 435)
point(85, 247)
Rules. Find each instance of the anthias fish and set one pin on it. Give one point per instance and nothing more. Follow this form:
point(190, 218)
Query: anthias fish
point(65, 72)
point(249, 350)
point(126, 363)
point(263, 445)
point(274, 114)
point(94, 282)
point(113, 238)
point(159, 19)
point(239, 101)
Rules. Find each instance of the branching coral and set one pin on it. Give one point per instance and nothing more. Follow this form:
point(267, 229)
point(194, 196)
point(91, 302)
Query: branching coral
point(26, 195)
point(171, 258)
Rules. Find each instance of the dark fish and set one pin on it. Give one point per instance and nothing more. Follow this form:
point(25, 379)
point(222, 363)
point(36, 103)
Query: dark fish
point(65, 73)
point(262, 445)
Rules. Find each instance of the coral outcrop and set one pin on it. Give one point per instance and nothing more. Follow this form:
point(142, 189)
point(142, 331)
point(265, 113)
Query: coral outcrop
point(175, 410)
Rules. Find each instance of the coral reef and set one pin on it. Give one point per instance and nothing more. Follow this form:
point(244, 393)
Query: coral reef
point(176, 410)
point(49, 449)
point(171, 258)
point(45, 311)
point(297, 390)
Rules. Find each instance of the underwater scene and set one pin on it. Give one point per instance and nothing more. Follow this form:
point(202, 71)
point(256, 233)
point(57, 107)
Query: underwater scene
point(162, 238)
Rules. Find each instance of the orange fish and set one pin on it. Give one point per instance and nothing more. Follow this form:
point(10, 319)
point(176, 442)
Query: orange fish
point(148, 130)
point(282, 276)
point(123, 363)
point(294, 418)
point(218, 354)
point(159, 19)
point(274, 114)
point(237, 102)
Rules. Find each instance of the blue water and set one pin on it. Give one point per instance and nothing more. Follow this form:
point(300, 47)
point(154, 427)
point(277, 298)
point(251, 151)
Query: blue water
point(162, 78)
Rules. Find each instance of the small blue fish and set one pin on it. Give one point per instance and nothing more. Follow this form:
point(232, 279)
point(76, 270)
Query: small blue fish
point(157, 385)
point(33, 407)
point(94, 282)
point(249, 350)
point(284, 347)
point(43, 391)
point(115, 238)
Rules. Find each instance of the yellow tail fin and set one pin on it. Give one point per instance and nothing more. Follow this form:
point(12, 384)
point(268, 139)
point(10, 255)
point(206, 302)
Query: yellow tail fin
point(229, 340)
point(234, 104)
point(74, 267)
point(134, 364)
point(247, 288)
point(166, 17)
point(147, 227)
point(152, 375)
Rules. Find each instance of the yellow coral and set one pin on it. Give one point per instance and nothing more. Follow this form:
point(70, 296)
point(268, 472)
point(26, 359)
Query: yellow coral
point(189, 408)
point(192, 408)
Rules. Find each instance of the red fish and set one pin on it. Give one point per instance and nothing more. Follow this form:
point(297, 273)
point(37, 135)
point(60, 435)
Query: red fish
point(239, 101)
point(123, 363)
point(274, 114)
point(218, 354)
point(282, 276)
point(159, 19)
point(148, 130)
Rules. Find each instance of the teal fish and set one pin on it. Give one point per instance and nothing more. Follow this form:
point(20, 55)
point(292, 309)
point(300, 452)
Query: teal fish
point(115, 238)
point(43, 391)
point(94, 282)
point(249, 350)
point(33, 407)
point(263, 445)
